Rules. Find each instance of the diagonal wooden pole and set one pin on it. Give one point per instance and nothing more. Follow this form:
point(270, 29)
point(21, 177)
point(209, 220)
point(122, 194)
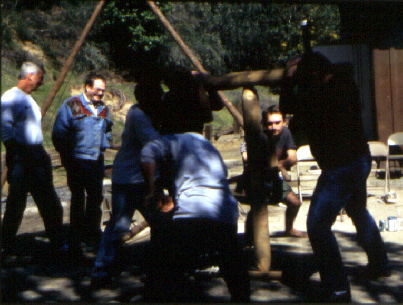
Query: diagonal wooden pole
point(65, 70)
point(196, 63)
point(69, 61)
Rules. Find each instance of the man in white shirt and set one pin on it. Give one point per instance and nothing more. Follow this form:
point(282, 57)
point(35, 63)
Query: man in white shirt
point(29, 166)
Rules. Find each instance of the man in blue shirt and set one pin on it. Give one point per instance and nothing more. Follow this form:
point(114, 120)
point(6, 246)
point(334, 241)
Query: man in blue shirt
point(29, 166)
point(81, 133)
point(128, 188)
point(205, 213)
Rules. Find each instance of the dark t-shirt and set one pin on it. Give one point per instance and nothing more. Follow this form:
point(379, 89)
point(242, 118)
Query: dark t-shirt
point(331, 116)
point(284, 142)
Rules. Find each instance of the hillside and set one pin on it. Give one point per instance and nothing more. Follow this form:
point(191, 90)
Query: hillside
point(50, 34)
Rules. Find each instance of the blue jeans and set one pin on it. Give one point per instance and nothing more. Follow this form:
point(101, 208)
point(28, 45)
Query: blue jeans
point(30, 170)
point(184, 241)
point(85, 177)
point(343, 187)
point(126, 198)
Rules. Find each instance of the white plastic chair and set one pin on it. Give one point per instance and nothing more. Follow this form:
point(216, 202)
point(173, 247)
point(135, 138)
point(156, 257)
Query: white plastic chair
point(307, 169)
point(379, 152)
point(396, 140)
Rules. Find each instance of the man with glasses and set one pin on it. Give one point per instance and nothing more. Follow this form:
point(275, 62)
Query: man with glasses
point(81, 133)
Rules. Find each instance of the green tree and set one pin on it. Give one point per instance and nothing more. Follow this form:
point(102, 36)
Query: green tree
point(238, 36)
point(134, 34)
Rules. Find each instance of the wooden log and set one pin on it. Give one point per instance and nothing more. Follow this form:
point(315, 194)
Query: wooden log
point(259, 161)
point(245, 79)
point(189, 54)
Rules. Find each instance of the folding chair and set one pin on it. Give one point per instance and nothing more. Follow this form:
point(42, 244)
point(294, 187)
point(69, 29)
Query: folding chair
point(379, 152)
point(307, 169)
point(395, 155)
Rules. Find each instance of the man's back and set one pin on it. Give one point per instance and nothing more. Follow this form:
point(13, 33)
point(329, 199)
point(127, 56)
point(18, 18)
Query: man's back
point(138, 131)
point(332, 118)
point(199, 176)
point(20, 118)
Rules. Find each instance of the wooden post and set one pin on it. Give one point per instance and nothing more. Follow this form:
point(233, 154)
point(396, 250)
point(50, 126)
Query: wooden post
point(237, 128)
point(66, 69)
point(257, 148)
point(208, 132)
point(195, 62)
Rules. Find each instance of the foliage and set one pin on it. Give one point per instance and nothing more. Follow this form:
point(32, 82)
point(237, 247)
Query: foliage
point(133, 33)
point(53, 29)
point(127, 37)
point(238, 36)
point(226, 36)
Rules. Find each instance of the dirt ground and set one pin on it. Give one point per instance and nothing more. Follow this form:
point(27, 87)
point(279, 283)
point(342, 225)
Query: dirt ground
point(35, 276)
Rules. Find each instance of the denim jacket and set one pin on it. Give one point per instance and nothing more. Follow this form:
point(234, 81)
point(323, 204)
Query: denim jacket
point(80, 134)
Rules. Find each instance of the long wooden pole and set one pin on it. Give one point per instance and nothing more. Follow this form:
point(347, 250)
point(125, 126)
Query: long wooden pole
point(69, 61)
point(245, 79)
point(196, 63)
point(65, 70)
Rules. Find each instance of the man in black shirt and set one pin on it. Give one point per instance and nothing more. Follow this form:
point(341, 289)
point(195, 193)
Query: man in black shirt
point(328, 108)
point(274, 126)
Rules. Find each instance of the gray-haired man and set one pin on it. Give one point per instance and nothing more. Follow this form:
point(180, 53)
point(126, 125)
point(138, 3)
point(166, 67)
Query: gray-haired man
point(29, 166)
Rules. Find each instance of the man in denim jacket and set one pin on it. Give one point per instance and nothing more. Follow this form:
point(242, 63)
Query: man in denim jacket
point(81, 133)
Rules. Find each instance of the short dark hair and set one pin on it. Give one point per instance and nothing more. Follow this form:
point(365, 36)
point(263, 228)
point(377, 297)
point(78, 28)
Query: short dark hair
point(149, 96)
point(314, 62)
point(273, 109)
point(93, 75)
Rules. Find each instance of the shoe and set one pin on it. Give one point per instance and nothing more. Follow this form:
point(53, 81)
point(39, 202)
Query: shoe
point(134, 231)
point(374, 273)
point(339, 297)
point(8, 257)
point(76, 255)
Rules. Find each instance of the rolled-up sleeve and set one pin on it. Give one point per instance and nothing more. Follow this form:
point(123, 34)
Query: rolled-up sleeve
point(143, 129)
point(7, 120)
point(154, 151)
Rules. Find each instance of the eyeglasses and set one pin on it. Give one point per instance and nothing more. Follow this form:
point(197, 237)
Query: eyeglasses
point(98, 90)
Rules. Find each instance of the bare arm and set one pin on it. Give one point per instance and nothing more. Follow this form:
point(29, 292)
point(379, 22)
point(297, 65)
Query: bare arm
point(290, 161)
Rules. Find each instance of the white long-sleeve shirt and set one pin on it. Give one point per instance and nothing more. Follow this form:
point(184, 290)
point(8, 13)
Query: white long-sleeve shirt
point(20, 118)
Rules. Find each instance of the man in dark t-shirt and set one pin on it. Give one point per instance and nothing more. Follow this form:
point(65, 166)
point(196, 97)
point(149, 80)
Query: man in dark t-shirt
point(274, 126)
point(328, 107)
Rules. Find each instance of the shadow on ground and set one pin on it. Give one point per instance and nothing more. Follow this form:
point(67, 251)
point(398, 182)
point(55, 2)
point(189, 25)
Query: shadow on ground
point(36, 275)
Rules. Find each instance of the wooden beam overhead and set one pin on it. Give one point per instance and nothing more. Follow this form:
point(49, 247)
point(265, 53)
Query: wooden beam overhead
point(245, 79)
